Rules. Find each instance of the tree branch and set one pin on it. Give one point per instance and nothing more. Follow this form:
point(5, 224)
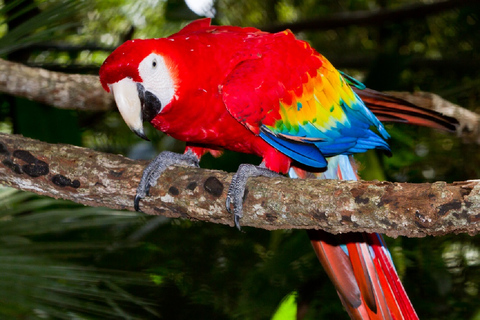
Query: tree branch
point(61, 90)
point(372, 17)
point(98, 179)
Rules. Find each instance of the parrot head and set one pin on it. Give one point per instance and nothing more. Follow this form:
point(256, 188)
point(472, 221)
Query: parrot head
point(142, 80)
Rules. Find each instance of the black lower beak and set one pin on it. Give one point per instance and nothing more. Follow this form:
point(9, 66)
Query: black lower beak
point(151, 105)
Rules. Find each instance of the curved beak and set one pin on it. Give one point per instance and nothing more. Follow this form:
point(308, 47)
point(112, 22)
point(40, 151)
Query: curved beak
point(128, 101)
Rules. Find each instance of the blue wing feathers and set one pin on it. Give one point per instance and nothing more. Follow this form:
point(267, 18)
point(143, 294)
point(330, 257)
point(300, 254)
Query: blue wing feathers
point(305, 153)
point(353, 135)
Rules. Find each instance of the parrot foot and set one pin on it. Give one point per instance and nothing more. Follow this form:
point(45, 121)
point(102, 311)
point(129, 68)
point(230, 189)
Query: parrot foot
point(236, 191)
point(154, 169)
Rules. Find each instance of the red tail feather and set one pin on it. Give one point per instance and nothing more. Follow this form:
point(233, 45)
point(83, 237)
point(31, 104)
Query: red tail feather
point(359, 264)
point(386, 264)
point(382, 295)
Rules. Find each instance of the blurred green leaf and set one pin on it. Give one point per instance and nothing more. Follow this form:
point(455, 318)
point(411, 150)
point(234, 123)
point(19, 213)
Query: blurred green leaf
point(287, 310)
point(42, 27)
point(42, 275)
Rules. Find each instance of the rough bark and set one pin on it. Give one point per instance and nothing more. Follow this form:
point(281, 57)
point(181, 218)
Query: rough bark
point(61, 90)
point(98, 179)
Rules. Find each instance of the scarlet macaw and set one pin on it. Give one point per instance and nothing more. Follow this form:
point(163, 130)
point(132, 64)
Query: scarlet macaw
point(225, 87)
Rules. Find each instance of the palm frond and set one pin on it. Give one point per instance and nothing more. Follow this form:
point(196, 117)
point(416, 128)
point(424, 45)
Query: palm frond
point(46, 251)
point(40, 28)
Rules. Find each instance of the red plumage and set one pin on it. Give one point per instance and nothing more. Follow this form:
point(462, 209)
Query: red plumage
point(268, 94)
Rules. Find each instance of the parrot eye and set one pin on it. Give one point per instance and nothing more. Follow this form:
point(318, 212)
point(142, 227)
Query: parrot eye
point(154, 63)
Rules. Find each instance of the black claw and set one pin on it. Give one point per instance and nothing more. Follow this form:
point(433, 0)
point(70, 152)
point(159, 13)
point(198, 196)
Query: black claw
point(227, 205)
point(236, 219)
point(136, 203)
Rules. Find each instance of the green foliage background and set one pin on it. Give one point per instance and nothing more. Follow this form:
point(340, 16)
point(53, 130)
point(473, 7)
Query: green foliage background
point(60, 260)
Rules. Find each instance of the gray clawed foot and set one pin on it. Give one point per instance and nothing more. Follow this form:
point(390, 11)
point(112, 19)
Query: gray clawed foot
point(154, 169)
point(236, 191)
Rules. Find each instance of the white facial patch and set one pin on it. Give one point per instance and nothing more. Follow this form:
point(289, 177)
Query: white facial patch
point(156, 78)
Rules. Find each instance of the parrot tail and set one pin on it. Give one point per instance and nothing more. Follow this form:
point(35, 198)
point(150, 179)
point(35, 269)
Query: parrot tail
point(392, 109)
point(359, 264)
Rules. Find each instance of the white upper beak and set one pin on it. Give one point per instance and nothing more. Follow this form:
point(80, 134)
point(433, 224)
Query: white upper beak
point(128, 102)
